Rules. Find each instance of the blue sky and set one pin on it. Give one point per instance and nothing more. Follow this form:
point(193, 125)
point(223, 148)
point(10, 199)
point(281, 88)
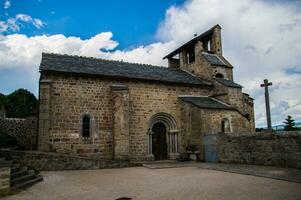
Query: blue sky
point(261, 38)
point(133, 22)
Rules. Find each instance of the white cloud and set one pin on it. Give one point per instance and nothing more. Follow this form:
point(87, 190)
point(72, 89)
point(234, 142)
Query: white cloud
point(23, 17)
point(3, 26)
point(7, 4)
point(13, 23)
point(260, 38)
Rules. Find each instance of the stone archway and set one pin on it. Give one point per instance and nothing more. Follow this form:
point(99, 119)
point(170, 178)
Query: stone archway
point(163, 123)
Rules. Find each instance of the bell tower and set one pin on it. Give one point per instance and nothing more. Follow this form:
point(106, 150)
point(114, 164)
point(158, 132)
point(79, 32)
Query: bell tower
point(191, 56)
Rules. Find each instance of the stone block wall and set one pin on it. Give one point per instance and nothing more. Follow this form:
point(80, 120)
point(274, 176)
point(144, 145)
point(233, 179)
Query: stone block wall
point(199, 122)
point(4, 180)
point(72, 96)
point(200, 67)
point(24, 130)
point(46, 161)
point(226, 71)
point(264, 148)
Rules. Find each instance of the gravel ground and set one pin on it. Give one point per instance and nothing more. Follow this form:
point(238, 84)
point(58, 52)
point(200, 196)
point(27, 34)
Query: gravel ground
point(143, 183)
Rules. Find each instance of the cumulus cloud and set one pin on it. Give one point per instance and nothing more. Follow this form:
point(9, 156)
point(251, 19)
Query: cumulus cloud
point(260, 38)
point(7, 4)
point(13, 23)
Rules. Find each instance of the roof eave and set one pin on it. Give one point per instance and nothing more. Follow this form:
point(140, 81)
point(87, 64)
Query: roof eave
point(125, 78)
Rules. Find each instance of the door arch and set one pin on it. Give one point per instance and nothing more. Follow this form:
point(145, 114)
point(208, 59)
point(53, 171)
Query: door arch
point(159, 124)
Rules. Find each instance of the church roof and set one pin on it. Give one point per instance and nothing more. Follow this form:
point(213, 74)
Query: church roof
point(214, 59)
point(206, 102)
point(93, 66)
point(193, 41)
point(228, 83)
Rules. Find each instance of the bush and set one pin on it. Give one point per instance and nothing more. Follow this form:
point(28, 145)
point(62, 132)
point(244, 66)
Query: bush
point(7, 141)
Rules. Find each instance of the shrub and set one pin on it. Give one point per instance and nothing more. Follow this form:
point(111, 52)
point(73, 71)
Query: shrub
point(7, 141)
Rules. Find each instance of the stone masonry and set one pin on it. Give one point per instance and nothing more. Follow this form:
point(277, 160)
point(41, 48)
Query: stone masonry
point(121, 102)
point(24, 130)
point(264, 148)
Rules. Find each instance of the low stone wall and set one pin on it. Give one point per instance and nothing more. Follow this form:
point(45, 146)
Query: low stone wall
point(263, 148)
point(4, 179)
point(53, 161)
point(24, 130)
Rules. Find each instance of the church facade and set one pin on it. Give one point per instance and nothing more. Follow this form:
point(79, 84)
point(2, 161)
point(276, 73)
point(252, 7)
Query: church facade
point(119, 110)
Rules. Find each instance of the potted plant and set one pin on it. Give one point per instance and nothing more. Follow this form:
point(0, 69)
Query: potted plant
point(192, 151)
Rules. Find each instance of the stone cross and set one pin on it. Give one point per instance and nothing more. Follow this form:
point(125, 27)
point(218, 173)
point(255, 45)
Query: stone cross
point(266, 85)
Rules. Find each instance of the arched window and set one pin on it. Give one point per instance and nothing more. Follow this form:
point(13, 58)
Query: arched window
point(219, 75)
point(226, 126)
point(86, 127)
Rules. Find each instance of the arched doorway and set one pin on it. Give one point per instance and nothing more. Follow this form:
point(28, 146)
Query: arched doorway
point(162, 137)
point(159, 143)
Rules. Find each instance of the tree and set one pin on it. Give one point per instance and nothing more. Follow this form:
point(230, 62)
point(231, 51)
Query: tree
point(20, 103)
point(289, 124)
point(3, 100)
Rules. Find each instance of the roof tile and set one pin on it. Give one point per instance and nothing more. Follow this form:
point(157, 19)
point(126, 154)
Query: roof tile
point(94, 66)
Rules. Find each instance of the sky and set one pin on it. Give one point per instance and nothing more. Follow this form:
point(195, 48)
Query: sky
point(261, 38)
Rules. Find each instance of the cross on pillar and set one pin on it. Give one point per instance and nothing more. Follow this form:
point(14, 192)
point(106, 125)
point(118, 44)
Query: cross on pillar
point(266, 85)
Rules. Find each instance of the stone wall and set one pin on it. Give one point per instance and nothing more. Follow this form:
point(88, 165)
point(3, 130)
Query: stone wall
point(45, 161)
point(71, 97)
point(4, 180)
point(200, 67)
point(263, 148)
point(24, 130)
point(198, 122)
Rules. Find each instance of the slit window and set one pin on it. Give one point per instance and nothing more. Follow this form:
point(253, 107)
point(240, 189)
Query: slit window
point(86, 127)
point(191, 56)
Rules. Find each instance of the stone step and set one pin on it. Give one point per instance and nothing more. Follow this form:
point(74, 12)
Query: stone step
point(37, 178)
point(5, 163)
point(29, 175)
point(17, 167)
point(21, 172)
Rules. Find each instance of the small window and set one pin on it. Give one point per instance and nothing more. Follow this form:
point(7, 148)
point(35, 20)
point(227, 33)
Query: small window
point(225, 126)
point(86, 127)
point(219, 75)
point(190, 56)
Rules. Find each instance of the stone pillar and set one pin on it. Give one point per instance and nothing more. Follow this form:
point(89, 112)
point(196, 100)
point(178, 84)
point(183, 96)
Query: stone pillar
point(198, 49)
point(150, 155)
point(173, 145)
point(121, 134)
point(183, 58)
point(44, 115)
point(216, 41)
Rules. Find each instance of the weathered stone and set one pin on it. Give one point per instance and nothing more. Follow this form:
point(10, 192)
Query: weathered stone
point(54, 161)
point(121, 112)
point(268, 148)
point(24, 130)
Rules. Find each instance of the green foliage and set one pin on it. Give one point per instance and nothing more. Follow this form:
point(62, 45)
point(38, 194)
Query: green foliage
point(3, 100)
point(7, 141)
point(20, 103)
point(289, 124)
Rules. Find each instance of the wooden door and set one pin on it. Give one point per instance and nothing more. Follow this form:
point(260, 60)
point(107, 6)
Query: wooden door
point(159, 141)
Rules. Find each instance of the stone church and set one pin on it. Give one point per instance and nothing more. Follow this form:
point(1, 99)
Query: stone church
point(119, 110)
